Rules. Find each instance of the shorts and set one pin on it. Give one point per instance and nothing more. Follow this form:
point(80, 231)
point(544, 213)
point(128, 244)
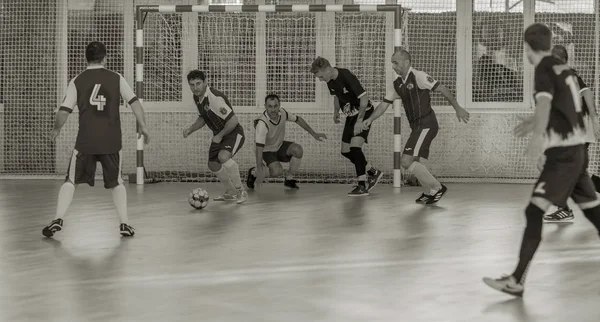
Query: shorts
point(279, 155)
point(564, 176)
point(231, 142)
point(419, 141)
point(348, 133)
point(82, 169)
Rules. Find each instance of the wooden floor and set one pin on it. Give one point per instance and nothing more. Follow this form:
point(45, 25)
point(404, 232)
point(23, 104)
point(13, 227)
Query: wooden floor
point(308, 255)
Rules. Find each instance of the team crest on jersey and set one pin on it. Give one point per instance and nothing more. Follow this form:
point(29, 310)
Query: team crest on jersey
point(430, 79)
point(223, 110)
point(410, 86)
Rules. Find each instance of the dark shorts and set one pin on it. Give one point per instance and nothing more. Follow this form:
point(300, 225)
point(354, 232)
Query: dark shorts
point(348, 133)
point(419, 141)
point(232, 142)
point(82, 169)
point(564, 175)
point(279, 155)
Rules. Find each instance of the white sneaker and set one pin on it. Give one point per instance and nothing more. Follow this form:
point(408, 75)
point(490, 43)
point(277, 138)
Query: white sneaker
point(506, 284)
point(226, 197)
point(242, 196)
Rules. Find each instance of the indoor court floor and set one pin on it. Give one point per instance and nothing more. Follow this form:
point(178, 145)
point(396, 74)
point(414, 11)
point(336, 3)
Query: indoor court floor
point(308, 255)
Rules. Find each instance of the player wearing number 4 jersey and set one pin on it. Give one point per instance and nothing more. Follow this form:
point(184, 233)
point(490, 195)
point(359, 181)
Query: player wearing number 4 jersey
point(271, 146)
point(97, 93)
point(559, 128)
point(414, 88)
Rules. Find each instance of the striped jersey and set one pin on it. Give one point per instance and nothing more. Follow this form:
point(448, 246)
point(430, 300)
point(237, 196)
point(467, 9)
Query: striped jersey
point(271, 133)
point(215, 109)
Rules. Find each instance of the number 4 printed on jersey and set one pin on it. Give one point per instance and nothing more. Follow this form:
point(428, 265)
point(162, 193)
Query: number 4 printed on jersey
point(98, 100)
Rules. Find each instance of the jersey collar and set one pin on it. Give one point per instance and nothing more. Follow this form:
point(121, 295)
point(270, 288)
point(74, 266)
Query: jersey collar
point(95, 67)
point(410, 70)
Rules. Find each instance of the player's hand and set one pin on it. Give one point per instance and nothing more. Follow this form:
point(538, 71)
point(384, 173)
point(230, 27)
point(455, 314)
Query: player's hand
point(535, 148)
point(320, 136)
point(186, 133)
point(526, 126)
point(336, 117)
point(260, 177)
point(144, 132)
point(462, 115)
point(53, 135)
point(358, 127)
point(217, 138)
point(366, 124)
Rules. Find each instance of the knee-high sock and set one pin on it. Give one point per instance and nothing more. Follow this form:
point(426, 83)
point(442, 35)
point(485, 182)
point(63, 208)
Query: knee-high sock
point(119, 194)
point(360, 163)
point(223, 176)
point(425, 177)
point(593, 215)
point(531, 240)
point(294, 166)
point(233, 171)
point(65, 197)
point(596, 181)
point(349, 156)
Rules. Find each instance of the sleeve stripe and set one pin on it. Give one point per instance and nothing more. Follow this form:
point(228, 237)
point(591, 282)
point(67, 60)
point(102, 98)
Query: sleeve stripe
point(134, 99)
point(361, 95)
point(584, 89)
point(385, 100)
point(260, 145)
point(544, 94)
point(66, 109)
point(435, 86)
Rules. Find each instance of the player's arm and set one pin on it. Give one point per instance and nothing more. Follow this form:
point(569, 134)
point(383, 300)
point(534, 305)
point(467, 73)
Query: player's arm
point(303, 124)
point(425, 81)
point(544, 91)
point(389, 98)
point(66, 108)
point(230, 125)
point(588, 97)
point(136, 107)
point(194, 127)
point(226, 112)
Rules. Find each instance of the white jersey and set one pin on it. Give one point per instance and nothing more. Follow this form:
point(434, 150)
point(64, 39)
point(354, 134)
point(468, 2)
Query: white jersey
point(271, 133)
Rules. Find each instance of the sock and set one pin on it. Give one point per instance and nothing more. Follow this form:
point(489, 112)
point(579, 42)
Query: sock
point(531, 240)
point(349, 156)
point(293, 168)
point(593, 215)
point(119, 194)
point(65, 197)
point(234, 173)
point(224, 178)
point(426, 179)
point(360, 164)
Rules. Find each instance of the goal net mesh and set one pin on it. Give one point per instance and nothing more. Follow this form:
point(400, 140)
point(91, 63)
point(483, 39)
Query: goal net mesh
point(247, 55)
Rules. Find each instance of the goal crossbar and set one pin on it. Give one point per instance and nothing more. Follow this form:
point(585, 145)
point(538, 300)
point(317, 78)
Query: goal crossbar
point(143, 10)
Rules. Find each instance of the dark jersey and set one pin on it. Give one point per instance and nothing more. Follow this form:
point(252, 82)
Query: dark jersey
point(348, 90)
point(97, 94)
point(556, 80)
point(586, 109)
point(215, 109)
point(415, 93)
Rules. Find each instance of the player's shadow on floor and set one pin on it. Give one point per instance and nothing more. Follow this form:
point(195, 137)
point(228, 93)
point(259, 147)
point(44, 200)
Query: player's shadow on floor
point(514, 307)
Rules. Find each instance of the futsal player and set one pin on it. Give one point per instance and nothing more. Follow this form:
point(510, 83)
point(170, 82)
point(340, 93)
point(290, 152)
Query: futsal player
point(215, 111)
point(558, 127)
point(592, 127)
point(97, 93)
point(271, 146)
point(414, 88)
point(352, 99)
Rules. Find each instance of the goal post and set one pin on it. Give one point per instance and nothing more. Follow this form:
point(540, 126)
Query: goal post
point(143, 10)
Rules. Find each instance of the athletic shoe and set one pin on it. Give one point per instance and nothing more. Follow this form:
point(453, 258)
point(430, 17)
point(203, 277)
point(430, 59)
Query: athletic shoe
point(241, 196)
point(560, 215)
point(423, 198)
point(127, 231)
point(54, 226)
point(373, 179)
point(359, 190)
point(292, 184)
point(437, 196)
point(506, 284)
point(250, 178)
point(226, 197)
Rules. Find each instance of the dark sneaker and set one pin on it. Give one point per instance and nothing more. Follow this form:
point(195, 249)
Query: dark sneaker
point(506, 284)
point(560, 215)
point(250, 178)
point(54, 226)
point(423, 198)
point(292, 184)
point(359, 190)
point(373, 179)
point(126, 230)
point(437, 196)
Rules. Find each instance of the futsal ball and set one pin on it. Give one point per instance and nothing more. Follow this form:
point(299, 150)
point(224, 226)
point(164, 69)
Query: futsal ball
point(198, 198)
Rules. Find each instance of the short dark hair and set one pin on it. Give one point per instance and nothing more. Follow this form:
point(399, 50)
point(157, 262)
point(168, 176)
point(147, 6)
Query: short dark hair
point(560, 52)
point(318, 64)
point(95, 52)
point(539, 37)
point(272, 97)
point(196, 74)
point(405, 54)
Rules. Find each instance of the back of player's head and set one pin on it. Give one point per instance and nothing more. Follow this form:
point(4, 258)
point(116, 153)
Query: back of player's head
point(318, 64)
point(272, 97)
point(560, 52)
point(539, 37)
point(95, 52)
point(196, 74)
point(404, 54)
